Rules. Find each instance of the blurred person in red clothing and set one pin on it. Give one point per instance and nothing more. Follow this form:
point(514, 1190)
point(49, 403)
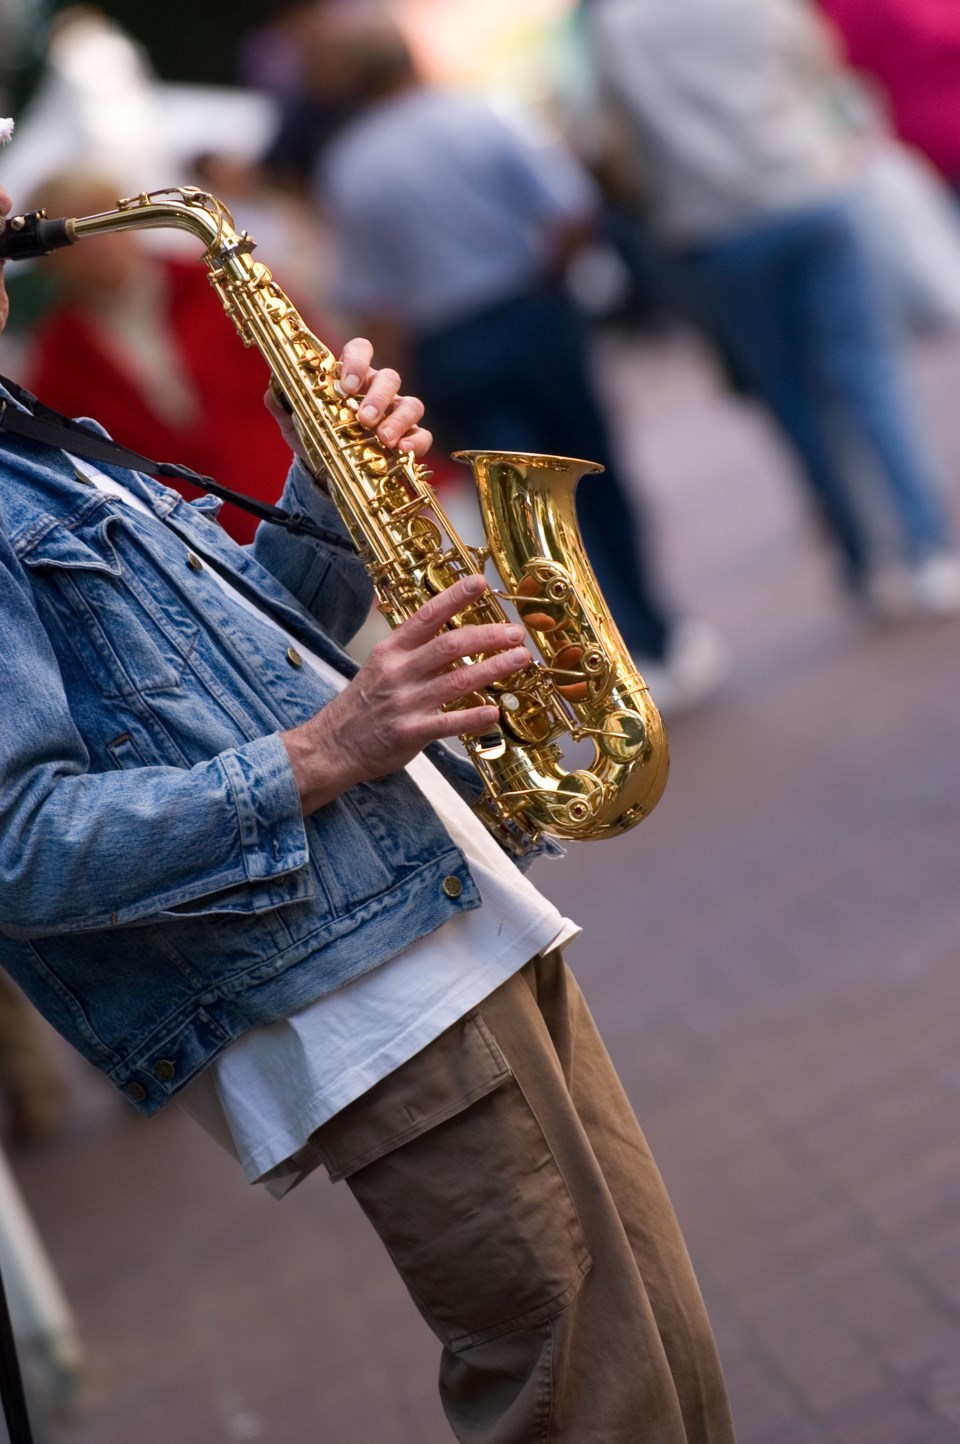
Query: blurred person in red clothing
point(912, 47)
point(140, 341)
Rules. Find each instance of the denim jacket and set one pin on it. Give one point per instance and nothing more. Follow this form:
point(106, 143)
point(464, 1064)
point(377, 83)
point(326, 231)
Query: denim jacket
point(160, 890)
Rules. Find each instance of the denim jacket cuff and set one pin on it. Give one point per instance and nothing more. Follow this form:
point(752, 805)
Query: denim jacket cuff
point(304, 493)
point(273, 839)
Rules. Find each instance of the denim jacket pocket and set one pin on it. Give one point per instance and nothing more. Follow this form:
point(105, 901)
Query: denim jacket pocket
point(124, 752)
point(95, 605)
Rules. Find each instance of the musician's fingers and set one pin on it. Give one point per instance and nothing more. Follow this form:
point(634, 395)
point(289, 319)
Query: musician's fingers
point(382, 389)
point(395, 417)
point(463, 679)
point(439, 609)
point(402, 416)
point(419, 441)
point(481, 639)
point(466, 722)
point(356, 360)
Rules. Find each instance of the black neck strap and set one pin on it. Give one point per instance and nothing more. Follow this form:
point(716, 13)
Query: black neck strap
point(42, 424)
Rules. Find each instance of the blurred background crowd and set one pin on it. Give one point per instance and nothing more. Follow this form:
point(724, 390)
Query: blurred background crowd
point(481, 189)
point(492, 193)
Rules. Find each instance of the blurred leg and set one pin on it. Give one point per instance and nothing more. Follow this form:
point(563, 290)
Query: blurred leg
point(858, 356)
point(753, 292)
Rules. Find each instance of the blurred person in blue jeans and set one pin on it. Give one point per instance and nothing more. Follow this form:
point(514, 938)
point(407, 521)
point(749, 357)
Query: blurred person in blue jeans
point(751, 173)
point(453, 228)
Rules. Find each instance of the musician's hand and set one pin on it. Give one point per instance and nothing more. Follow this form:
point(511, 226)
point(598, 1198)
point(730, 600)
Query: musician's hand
point(395, 418)
point(393, 706)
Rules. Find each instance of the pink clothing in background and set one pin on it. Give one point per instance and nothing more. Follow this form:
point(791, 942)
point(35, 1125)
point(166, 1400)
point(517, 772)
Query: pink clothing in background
point(913, 48)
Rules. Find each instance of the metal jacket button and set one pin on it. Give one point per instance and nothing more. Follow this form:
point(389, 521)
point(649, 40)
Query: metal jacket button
point(294, 657)
point(194, 562)
point(136, 1091)
point(163, 1070)
point(452, 886)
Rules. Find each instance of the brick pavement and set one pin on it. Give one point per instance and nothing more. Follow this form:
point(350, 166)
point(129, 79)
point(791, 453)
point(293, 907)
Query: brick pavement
point(772, 959)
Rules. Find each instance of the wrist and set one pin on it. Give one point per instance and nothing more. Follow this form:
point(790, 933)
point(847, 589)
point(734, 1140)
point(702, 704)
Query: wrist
point(316, 478)
point(322, 769)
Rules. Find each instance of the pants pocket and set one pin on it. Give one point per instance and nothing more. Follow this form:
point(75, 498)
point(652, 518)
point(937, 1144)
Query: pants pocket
point(450, 1165)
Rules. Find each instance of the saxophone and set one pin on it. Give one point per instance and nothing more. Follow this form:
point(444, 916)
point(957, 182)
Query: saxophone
point(585, 695)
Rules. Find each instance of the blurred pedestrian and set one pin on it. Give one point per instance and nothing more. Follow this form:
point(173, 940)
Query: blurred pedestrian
point(752, 176)
point(283, 58)
point(454, 229)
point(140, 340)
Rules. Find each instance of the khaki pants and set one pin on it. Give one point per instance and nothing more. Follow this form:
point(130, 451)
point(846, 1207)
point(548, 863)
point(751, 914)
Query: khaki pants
point(507, 1176)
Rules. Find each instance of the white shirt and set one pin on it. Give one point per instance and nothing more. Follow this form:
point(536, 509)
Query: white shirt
point(268, 1091)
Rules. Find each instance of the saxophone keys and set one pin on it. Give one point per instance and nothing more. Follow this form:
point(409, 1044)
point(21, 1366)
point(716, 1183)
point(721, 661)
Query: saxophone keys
point(623, 736)
point(544, 597)
point(525, 718)
point(439, 575)
point(567, 663)
point(490, 745)
point(577, 800)
point(351, 403)
point(420, 535)
point(580, 673)
point(534, 609)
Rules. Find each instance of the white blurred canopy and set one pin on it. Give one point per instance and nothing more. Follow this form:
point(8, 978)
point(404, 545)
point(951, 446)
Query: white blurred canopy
point(100, 105)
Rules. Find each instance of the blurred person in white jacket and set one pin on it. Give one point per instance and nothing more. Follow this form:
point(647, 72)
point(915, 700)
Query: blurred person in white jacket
point(751, 176)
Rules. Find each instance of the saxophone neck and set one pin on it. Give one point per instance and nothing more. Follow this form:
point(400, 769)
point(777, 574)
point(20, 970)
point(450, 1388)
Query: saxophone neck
point(34, 234)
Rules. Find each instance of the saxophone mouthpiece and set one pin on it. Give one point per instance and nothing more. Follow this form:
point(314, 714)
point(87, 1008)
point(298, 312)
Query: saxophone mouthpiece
point(25, 237)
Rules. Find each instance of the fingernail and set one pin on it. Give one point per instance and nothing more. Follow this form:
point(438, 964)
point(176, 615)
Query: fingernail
point(515, 634)
point(368, 413)
point(474, 584)
point(351, 382)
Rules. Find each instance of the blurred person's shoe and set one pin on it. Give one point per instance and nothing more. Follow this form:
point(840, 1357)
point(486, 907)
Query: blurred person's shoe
point(927, 588)
point(694, 667)
point(936, 585)
point(885, 594)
